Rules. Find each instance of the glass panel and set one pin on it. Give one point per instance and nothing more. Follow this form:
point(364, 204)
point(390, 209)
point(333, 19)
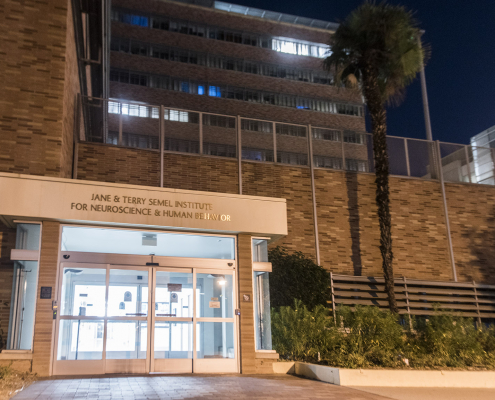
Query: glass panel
point(174, 294)
point(397, 156)
point(23, 305)
point(257, 140)
point(327, 148)
point(140, 125)
point(182, 129)
point(100, 240)
point(80, 340)
point(83, 292)
point(454, 162)
point(292, 144)
point(173, 340)
point(126, 340)
point(481, 165)
point(260, 250)
point(422, 159)
point(215, 296)
point(262, 321)
point(128, 293)
point(28, 237)
point(215, 340)
point(219, 133)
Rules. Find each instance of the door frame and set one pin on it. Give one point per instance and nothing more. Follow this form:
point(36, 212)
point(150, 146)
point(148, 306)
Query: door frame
point(195, 265)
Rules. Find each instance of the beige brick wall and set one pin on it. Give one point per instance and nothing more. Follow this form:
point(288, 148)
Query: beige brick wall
point(349, 230)
point(347, 221)
point(472, 224)
point(44, 324)
point(37, 97)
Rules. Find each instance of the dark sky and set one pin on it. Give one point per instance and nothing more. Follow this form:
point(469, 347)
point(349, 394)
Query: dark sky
point(460, 75)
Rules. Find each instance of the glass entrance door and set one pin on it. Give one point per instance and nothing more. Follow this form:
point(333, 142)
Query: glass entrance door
point(116, 319)
point(172, 333)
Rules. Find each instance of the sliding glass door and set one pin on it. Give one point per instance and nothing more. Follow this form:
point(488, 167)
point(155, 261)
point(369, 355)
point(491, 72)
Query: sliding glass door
point(116, 319)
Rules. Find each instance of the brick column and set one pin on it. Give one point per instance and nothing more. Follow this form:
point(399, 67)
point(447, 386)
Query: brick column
point(44, 323)
point(247, 340)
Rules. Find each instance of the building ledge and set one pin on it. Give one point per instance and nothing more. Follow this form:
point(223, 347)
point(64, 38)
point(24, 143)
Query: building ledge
point(16, 355)
point(269, 354)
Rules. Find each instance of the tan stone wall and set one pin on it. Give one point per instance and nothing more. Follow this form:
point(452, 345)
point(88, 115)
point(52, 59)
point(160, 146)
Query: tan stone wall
point(349, 230)
point(472, 224)
point(293, 184)
point(36, 61)
point(348, 226)
point(44, 323)
point(7, 243)
point(106, 163)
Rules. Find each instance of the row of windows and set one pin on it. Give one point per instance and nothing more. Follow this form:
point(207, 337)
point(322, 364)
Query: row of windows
point(230, 151)
point(233, 93)
point(284, 45)
point(215, 61)
point(335, 135)
point(229, 122)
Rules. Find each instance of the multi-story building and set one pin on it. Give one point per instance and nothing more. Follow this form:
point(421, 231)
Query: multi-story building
point(151, 152)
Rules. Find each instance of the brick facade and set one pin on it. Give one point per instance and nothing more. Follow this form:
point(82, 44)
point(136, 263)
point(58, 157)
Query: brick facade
point(348, 227)
point(472, 224)
point(36, 112)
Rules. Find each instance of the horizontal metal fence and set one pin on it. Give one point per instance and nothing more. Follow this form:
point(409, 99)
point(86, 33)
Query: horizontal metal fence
point(138, 125)
point(415, 297)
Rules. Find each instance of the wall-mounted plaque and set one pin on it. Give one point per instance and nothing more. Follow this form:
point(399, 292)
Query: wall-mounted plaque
point(46, 292)
point(246, 297)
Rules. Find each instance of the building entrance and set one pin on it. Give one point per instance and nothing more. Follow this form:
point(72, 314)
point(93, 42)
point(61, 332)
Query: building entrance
point(133, 319)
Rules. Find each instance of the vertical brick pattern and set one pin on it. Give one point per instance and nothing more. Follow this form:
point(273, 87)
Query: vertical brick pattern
point(472, 225)
point(44, 324)
point(118, 165)
point(247, 311)
point(34, 60)
point(293, 184)
point(107, 163)
point(349, 231)
point(7, 243)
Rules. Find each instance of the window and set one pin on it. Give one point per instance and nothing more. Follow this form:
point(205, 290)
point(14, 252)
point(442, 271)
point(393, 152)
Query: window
point(165, 82)
point(327, 134)
point(24, 290)
point(261, 292)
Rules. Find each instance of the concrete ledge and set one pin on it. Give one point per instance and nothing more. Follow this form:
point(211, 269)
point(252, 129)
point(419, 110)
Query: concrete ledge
point(393, 378)
point(284, 367)
point(270, 355)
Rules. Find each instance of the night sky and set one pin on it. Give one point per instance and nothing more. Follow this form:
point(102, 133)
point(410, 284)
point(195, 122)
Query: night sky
point(460, 75)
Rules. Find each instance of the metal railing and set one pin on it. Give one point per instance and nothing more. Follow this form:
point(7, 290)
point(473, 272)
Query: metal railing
point(138, 125)
point(415, 297)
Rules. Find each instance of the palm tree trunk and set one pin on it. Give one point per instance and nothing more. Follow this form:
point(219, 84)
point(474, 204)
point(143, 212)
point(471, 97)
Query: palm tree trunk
point(379, 129)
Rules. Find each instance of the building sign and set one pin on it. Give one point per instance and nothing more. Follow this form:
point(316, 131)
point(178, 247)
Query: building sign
point(72, 200)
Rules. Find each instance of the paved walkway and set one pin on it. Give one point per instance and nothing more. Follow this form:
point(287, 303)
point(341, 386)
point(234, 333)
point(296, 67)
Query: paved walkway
point(190, 387)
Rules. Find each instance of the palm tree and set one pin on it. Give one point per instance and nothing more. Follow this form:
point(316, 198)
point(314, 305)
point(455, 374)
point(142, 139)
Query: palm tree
point(377, 50)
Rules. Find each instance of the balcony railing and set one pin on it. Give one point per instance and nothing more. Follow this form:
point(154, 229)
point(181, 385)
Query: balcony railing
point(159, 128)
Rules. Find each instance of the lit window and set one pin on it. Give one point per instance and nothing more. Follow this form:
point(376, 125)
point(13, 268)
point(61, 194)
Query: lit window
point(201, 89)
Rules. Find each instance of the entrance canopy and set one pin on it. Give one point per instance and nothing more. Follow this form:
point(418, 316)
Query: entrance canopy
point(69, 200)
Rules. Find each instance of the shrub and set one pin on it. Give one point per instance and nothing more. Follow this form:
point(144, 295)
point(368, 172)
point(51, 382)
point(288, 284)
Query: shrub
point(300, 334)
point(446, 340)
point(294, 276)
point(371, 337)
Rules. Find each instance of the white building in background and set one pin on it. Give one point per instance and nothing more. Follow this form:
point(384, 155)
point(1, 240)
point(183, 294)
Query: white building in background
point(483, 145)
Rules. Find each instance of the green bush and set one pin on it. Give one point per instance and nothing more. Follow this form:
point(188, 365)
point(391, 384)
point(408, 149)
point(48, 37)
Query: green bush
point(371, 337)
point(294, 276)
point(446, 340)
point(300, 334)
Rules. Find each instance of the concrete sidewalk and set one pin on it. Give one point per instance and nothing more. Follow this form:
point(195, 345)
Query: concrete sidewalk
point(205, 387)
point(404, 393)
